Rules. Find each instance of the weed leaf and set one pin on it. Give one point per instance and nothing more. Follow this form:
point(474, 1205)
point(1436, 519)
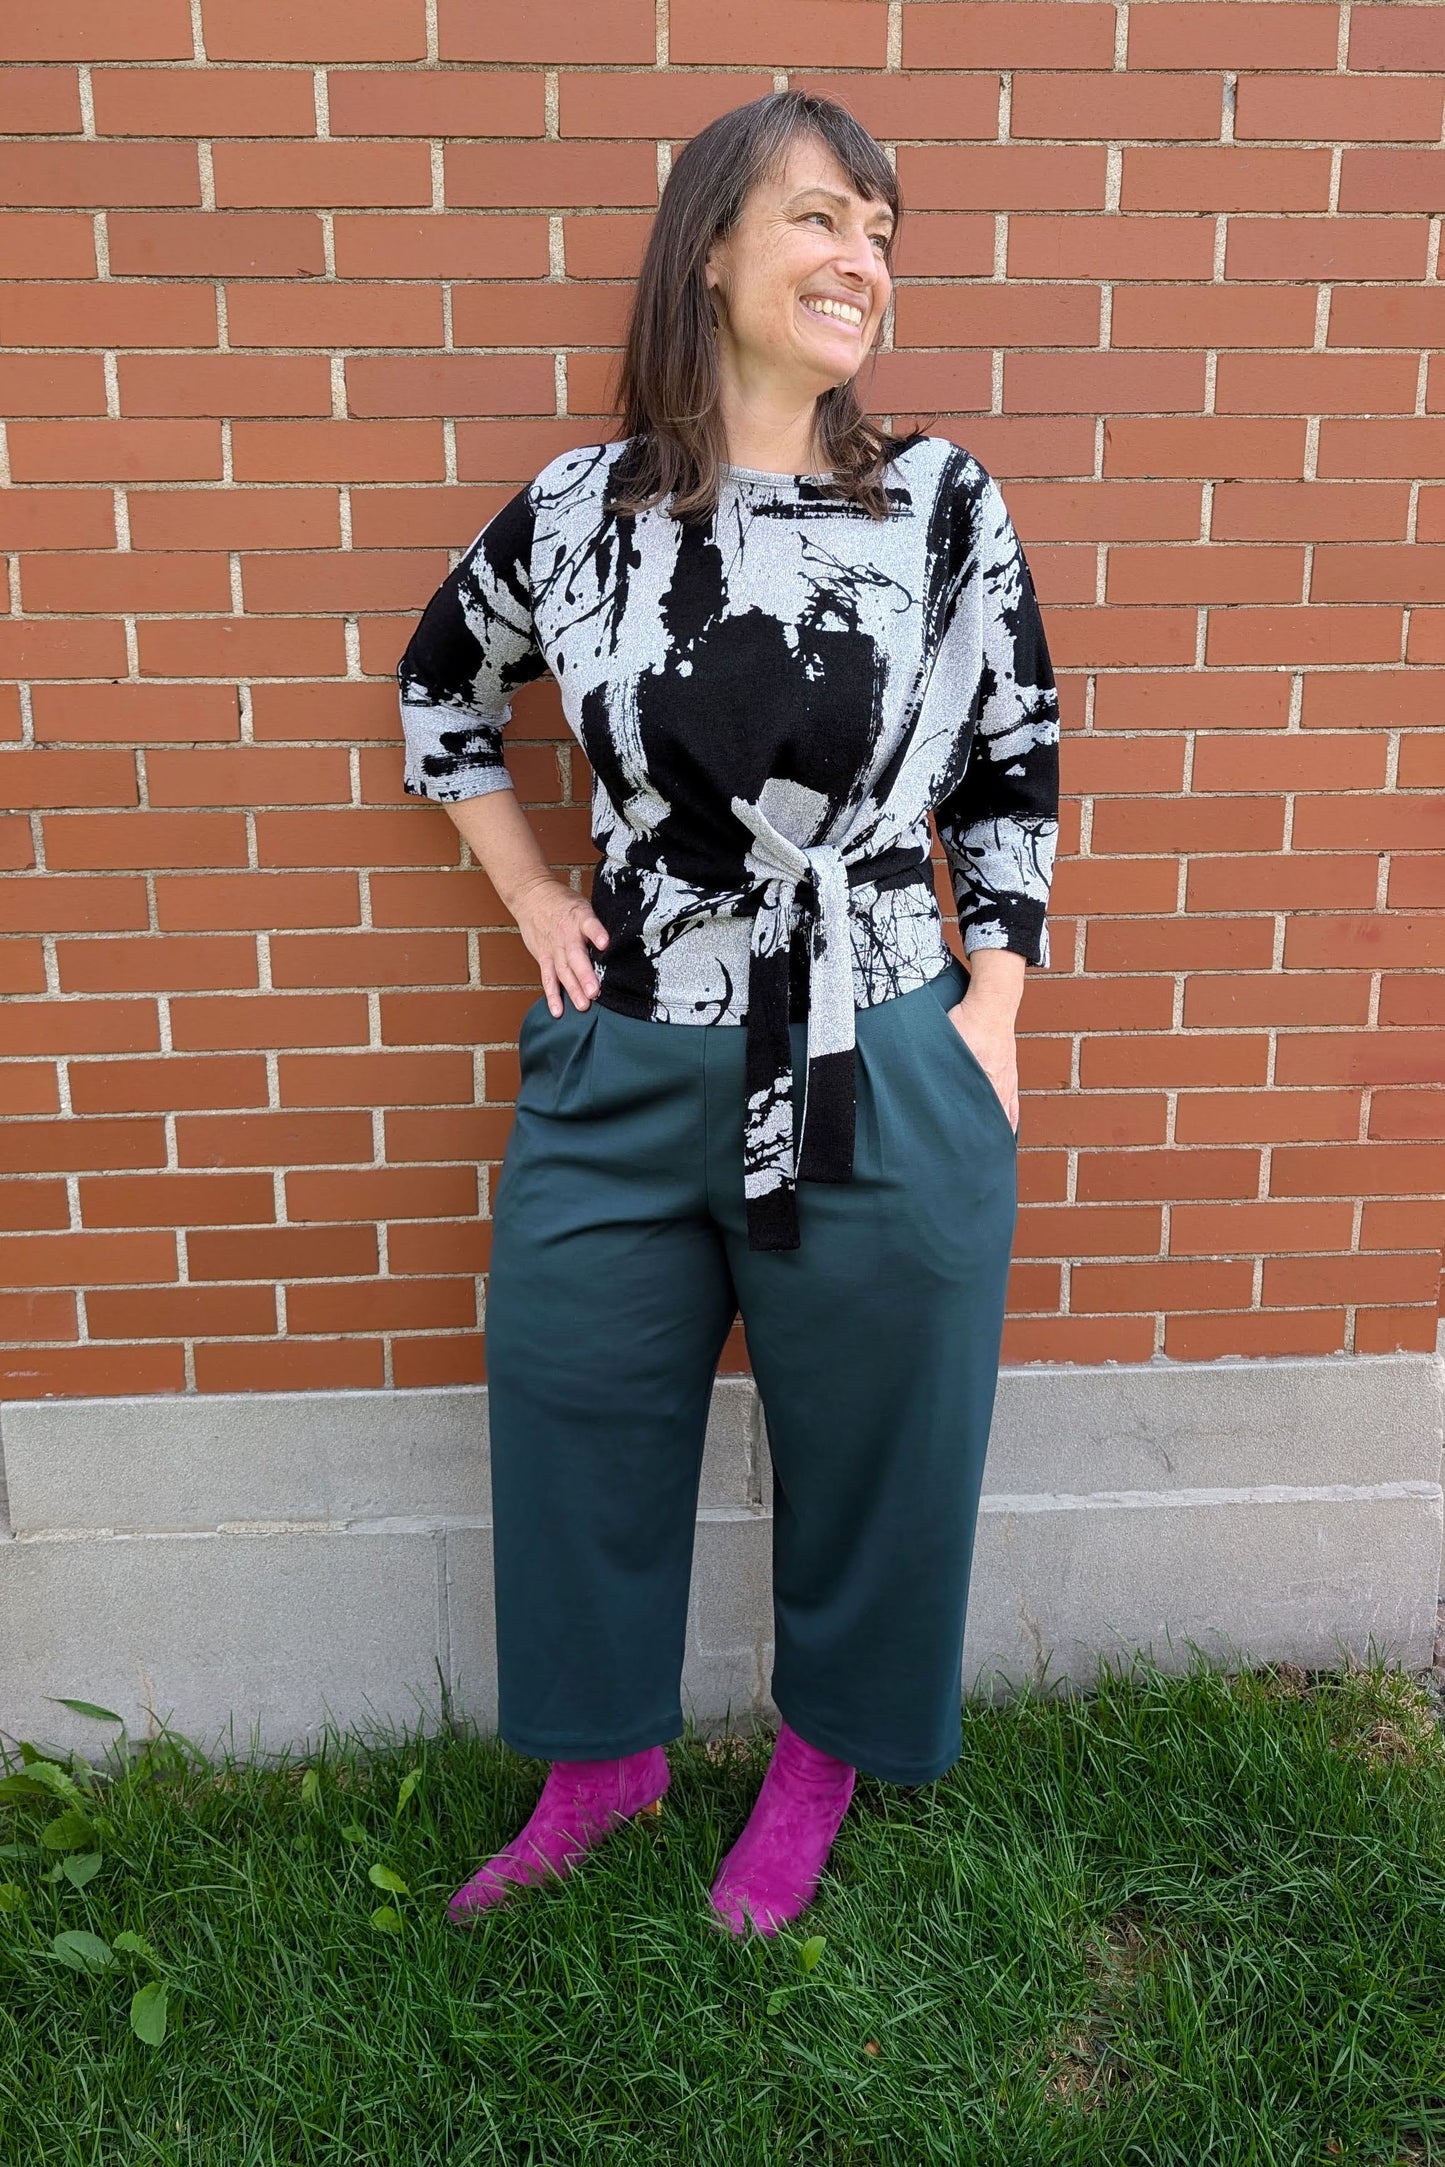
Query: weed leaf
point(82, 1952)
point(148, 2013)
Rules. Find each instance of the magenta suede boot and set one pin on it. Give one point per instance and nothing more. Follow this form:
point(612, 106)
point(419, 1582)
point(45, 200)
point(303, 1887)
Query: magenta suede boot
point(581, 1802)
point(772, 1871)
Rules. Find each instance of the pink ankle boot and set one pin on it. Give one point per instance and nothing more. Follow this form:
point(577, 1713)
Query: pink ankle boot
point(581, 1802)
point(772, 1871)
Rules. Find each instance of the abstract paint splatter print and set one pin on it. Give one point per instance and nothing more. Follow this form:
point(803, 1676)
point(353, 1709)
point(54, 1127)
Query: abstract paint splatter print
point(772, 700)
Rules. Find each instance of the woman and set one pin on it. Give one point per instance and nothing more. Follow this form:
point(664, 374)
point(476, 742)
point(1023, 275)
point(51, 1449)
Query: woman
point(782, 637)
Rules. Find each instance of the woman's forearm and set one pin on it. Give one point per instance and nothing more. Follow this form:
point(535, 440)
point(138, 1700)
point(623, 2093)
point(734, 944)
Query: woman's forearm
point(502, 840)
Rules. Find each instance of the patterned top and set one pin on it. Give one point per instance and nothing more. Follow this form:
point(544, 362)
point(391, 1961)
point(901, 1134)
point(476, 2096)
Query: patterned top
point(771, 699)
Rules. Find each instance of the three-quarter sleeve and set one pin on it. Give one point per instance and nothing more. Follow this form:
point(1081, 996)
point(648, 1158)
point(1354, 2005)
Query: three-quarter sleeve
point(999, 825)
point(475, 644)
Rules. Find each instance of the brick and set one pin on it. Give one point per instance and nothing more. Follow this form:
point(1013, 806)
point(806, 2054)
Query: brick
point(133, 714)
point(216, 244)
point(282, 1252)
point(454, 1018)
point(100, 30)
point(253, 176)
point(548, 176)
point(437, 1133)
point(1223, 34)
point(95, 1371)
point(68, 1260)
point(327, 30)
point(851, 33)
point(28, 1087)
point(73, 1145)
point(247, 775)
point(357, 313)
point(422, 1250)
point(423, 1193)
point(17, 848)
point(376, 1079)
point(111, 314)
point(32, 1205)
point(267, 1020)
point(22, 966)
point(225, 384)
point(236, 518)
point(414, 835)
point(262, 901)
point(273, 1140)
point(1398, 41)
point(165, 1084)
point(383, 1306)
point(39, 101)
point(990, 34)
point(542, 313)
point(115, 451)
point(454, 898)
point(176, 1200)
point(79, 842)
point(441, 246)
point(290, 1365)
point(81, 1026)
point(32, 384)
point(34, 1317)
point(55, 902)
point(49, 245)
point(550, 30)
point(191, 102)
point(238, 647)
point(180, 1312)
point(336, 451)
point(307, 713)
point(442, 103)
point(448, 384)
point(41, 518)
point(420, 1361)
point(96, 173)
point(155, 964)
point(368, 959)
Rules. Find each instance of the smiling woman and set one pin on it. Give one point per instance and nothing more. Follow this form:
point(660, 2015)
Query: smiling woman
point(783, 637)
point(762, 294)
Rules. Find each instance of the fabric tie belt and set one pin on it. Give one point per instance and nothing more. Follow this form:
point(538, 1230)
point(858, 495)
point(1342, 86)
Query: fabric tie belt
point(771, 1171)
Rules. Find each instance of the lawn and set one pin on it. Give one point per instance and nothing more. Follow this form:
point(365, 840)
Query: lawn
point(1193, 1918)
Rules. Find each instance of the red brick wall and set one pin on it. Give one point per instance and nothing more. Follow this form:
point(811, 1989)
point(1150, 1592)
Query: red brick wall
point(296, 299)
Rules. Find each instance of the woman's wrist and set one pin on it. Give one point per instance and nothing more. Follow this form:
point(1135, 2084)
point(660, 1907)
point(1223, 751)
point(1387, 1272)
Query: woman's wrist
point(996, 983)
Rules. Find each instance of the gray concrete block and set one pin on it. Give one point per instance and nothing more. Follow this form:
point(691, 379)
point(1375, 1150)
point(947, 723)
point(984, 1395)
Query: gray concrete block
point(1160, 1425)
point(270, 1636)
point(1304, 1579)
point(201, 1461)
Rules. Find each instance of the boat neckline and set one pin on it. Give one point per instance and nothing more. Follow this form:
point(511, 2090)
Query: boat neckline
point(770, 474)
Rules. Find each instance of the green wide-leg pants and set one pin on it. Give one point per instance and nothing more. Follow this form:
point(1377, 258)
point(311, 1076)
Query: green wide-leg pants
point(619, 1263)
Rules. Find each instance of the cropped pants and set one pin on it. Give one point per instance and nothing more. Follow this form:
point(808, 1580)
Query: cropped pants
point(619, 1263)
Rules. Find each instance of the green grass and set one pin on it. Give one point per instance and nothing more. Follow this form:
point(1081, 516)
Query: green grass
point(1196, 1919)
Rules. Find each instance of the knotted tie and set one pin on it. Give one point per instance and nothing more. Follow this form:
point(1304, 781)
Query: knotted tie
point(825, 1149)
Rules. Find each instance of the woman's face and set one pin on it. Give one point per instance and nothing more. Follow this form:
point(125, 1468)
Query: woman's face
point(804, 238)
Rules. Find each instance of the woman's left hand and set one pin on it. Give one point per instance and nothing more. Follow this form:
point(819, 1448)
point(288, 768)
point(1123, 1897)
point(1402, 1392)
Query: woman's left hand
point(990, 1037)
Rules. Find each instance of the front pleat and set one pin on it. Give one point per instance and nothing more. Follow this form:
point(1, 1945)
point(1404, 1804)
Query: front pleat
point(571, 1055)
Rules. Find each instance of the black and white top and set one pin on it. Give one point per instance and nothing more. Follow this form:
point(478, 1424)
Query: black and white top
point(771, 701)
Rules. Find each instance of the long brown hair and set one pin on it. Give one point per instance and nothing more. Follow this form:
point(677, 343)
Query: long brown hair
point(668, 387)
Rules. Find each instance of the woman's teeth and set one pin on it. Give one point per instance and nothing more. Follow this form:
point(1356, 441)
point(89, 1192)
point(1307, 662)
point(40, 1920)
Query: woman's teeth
point(839, 309)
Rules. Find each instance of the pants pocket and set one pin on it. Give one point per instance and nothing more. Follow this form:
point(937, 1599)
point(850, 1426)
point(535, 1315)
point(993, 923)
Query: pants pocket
point(975, 1074)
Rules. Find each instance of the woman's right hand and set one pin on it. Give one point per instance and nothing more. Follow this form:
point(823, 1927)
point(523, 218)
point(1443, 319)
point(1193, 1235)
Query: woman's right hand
point(556, 925)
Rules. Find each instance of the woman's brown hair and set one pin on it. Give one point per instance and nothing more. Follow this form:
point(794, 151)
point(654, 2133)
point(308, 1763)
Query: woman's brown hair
point(668, 388)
